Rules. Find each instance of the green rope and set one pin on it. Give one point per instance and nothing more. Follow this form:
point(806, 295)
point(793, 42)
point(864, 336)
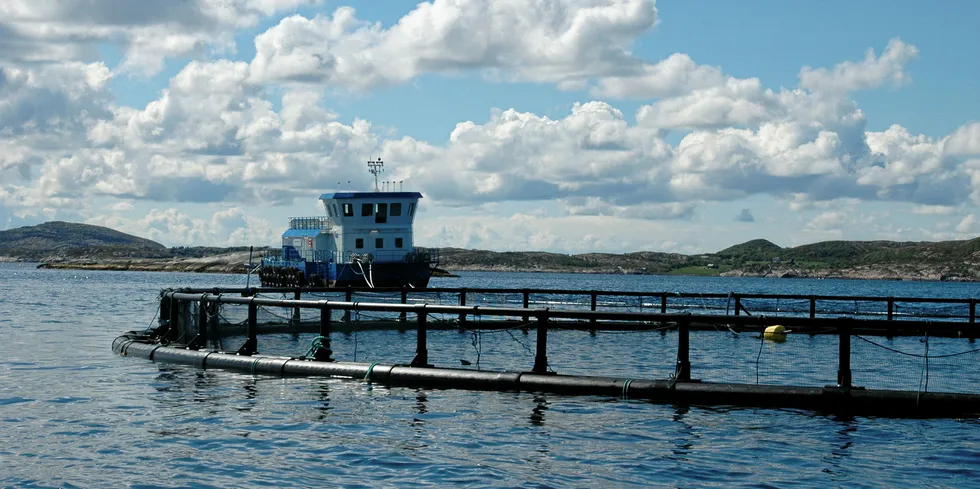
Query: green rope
point(626, 386)
point(315, 346)
point(367, 375)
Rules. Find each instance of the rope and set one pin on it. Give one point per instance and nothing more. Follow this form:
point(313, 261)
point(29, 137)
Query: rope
point(758, 357)
point(626, 386)
point(916, 355)
point(150, 326)
point(477, 342)
point(315, 346)
point(925, 371)
point(367, 375)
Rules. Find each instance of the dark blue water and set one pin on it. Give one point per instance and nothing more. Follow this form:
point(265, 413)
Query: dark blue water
point(73, 414)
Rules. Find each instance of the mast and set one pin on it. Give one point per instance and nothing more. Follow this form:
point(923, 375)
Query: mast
point(376, 167)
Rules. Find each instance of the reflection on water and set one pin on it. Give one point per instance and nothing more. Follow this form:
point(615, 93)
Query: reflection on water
point(842, 442)
point(684, 443)
point(537, 414)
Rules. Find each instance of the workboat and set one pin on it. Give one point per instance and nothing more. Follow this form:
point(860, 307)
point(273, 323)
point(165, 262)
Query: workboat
point(364, 240)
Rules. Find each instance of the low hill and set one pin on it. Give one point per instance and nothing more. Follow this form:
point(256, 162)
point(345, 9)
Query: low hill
point(58, 239)
point(755, 250)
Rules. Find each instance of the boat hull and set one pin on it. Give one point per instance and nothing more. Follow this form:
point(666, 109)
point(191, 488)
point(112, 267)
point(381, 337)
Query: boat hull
point(378, 274)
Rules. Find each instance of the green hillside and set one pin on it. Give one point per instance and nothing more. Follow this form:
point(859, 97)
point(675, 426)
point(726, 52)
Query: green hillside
point(755, 250)
point(67, 239)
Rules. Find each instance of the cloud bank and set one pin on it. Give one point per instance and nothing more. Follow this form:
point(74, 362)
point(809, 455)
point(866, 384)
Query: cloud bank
point(239, 133)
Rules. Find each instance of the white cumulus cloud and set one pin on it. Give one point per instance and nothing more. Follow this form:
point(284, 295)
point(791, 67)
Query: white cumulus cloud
point(534, 40)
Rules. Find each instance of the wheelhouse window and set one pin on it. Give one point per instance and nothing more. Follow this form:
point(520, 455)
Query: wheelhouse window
point(381, 213)
point(379, 243)
point(359, 243)
point(411, 209)
point(335, 209)
point(398, 242)
point(348, 210)
point(330, 211)
point(367, 209)
point(396, 209)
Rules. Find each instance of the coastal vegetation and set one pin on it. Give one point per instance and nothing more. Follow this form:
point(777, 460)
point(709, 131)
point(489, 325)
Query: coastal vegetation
point(73, 245)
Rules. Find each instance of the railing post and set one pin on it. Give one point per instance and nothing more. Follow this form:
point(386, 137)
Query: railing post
point(891, 307)
point(683, 371)
point(527, 300)
point(592, 306)
point(738, 305)
point(201, 340)
point(844, 361)
point(973, 311)
point(348, 295)
point(175, 320)
point(296, 314)
point(462, 302)
point(813, 307)
point(323, 353)
point(403, 316)
point(541, 345)
point(251, 345)
point(165, 308)
point(663, 303)
point(421, 348)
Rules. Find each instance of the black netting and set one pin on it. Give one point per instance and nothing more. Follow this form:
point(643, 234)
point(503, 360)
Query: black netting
point(718, 353)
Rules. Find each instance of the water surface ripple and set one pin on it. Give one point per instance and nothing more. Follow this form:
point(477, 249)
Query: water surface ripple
point(73, 414)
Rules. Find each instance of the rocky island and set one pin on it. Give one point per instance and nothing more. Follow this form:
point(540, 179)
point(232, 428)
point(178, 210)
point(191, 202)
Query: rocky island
point(82, 246)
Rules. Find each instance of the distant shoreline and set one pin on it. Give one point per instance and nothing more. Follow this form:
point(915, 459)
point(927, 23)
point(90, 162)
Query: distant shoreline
point(234, 264)
point(65, 245)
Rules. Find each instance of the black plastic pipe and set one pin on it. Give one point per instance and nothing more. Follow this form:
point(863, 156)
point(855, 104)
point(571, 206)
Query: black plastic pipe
point(825, 399)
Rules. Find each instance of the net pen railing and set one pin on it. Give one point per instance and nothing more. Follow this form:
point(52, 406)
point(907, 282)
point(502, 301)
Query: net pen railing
point(952, 309)
point(735, 349)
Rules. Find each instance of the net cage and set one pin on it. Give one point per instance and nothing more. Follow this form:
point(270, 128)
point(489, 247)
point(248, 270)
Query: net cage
point(717, 352)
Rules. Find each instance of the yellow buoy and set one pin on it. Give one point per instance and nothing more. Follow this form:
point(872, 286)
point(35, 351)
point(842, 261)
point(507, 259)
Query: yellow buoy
point(775, 333)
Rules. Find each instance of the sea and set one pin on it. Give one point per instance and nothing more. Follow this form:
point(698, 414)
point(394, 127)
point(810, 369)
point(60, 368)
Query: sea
point(75, 414)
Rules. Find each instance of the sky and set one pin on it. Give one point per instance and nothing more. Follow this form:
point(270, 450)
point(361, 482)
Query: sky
point(569, 126)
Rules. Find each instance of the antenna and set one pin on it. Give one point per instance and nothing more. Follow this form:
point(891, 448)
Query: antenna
point(400, 185)
point(376, 167)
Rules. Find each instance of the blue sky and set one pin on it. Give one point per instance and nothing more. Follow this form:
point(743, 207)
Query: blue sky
point(569, 126)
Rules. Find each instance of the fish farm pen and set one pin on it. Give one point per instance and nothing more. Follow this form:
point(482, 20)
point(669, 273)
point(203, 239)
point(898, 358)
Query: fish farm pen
point(886, 356)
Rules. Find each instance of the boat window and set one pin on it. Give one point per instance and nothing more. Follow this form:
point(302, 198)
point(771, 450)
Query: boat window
point(396, 209)
point(335, 210)
point(329, 211)
point(367, 209)
point(411, 209)
point(379, 243)
point(398, 242)
point(348, 210)
point(359, 242)
point(381, 213)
